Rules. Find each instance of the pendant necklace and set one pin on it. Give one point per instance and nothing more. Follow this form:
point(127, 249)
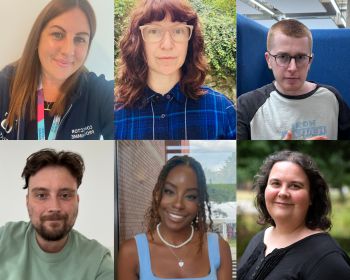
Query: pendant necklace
point(180, 261)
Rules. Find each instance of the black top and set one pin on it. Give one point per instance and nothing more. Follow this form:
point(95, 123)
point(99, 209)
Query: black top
point(316, 257)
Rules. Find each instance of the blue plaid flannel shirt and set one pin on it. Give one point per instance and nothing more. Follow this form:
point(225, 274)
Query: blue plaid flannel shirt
point(174, 116)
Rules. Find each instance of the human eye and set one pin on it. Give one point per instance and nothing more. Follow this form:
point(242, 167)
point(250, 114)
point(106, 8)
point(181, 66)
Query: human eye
point(66, 195)
point(180, 30)
point(301, 57)
point(152, 30)
point(191, 197)
point(57, 35)
point(168, 191)
point(283, 57)
point(274, 183)
point(41, 195)
point(295, 186)
point(80, 40)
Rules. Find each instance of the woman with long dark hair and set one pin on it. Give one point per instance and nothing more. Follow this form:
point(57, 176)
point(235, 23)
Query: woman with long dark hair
point(48, 93)
point(178, 243)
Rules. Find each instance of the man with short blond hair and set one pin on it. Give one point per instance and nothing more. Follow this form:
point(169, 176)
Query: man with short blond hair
point(292, 107)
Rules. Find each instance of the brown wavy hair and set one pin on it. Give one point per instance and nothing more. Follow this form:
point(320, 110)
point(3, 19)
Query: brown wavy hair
point(318, 213)
point(152, 217)
point(24, 84)
point(131, 78)
point(73, 162)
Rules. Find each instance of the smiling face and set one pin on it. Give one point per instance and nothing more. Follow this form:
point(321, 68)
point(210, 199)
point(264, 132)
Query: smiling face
point(166, 57)
point(63, 46)
point(290, 80)
point(179, 202)
point(287, 194)
point(52, 202)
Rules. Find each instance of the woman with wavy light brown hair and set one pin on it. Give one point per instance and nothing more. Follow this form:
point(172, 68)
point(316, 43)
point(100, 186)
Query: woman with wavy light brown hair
point(178, 243)
point(48, 93)
point(160, 74)
point(293, 198)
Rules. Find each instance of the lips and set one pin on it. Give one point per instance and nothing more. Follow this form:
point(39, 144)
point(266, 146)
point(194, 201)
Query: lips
point(63, 63)
point(167, 57)
point(283, 203)
point(176, 217)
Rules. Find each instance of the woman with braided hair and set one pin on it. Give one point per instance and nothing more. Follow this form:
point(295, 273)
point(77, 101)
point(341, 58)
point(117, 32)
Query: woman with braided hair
point(178, 243)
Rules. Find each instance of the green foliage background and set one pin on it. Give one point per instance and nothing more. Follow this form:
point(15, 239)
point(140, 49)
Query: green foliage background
point(220, 193)
point(218, 18)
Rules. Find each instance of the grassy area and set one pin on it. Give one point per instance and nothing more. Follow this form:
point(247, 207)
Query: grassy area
point(245, 195)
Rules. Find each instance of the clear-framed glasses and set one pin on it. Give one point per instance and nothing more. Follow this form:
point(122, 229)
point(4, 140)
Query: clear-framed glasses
point(179, 33)
point(284, 59)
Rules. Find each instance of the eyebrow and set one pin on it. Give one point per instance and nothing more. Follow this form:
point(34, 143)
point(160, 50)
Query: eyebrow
point(174, 186)
point(38, 189)
point(79, 33)
point(295, 182)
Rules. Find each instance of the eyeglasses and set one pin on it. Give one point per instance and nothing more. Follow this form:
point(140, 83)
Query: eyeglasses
point(154, 34)
point(283, 60)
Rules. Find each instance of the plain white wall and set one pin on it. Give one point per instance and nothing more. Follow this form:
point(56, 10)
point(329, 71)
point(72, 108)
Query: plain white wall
point(17, 18)
point(96, 208)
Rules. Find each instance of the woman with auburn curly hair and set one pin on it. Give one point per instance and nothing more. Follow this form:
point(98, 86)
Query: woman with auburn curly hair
point(161, 70)
point(293, 197)
point(177, 244)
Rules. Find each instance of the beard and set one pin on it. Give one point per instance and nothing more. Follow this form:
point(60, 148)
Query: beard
point(57, 231)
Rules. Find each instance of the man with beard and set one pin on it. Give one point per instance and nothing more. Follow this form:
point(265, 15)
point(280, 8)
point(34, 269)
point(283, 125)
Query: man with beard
point(47, 247)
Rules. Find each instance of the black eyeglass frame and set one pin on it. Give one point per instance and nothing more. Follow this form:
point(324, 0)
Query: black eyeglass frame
point(290, 58)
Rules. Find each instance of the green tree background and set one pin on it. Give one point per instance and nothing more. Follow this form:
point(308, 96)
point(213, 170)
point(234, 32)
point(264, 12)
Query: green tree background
point(218, 18)
point(332, 158)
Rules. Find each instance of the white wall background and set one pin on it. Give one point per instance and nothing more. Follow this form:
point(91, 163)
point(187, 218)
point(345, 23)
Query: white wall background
point(96, 208)
point(18, 16)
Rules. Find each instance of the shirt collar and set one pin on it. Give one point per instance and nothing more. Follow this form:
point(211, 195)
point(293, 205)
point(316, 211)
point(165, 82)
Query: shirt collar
point(175, 93)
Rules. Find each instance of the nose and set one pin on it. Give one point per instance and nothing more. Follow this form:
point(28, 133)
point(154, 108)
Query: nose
point(68, 47)
point(178, 202)
point(283, 192)
point(292, 66)
point(167, 42)
point(54, 205)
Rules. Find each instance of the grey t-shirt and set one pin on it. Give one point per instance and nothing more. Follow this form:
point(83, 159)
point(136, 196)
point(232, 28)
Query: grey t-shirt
point(266, 114)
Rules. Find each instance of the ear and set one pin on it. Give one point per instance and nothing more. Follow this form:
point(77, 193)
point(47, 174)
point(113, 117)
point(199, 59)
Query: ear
point(267, 58)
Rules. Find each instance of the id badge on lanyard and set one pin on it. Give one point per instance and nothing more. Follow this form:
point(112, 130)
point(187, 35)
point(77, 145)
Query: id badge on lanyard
point(41, 118)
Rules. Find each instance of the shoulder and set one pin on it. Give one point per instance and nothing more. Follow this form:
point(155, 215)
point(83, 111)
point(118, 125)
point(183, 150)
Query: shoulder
point(6, 75)
point(327, 89)
point(128, 249)
point(257, 96)
point(15, 226)
point(212, 94)
point(327, 259)
point(128, 261)
point(96, 84)
point(91, 245)
point(8, 71)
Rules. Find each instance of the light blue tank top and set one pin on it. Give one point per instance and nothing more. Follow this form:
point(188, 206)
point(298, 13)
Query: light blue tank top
point(145, 260)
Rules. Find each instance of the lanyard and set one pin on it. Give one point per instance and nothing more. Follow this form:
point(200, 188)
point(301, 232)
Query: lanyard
point(41, 119)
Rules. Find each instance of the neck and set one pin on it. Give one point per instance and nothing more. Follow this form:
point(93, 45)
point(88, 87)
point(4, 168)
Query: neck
point(305, 88)
point(287, 229)
point(51, 90)
point(175, 237)
point(51, 246)
point(162, 83)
